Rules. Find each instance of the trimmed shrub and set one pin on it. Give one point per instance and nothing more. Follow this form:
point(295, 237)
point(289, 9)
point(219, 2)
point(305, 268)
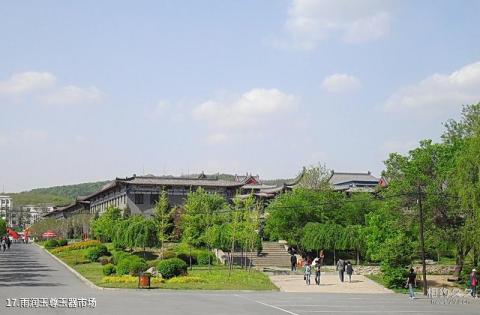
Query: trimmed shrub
point(204, 258)
point(62, 242)
point(117, 256)
point(51, 244)
point(394, 277)
point(94, 253)
point(104, 260)
point(173, 267)
point(132, 265)
point(109, 269)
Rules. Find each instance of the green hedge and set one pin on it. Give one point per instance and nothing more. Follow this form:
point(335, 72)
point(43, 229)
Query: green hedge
point(173, 267)
point(132, 265)
point(205, 258)
point(94, 253)
point(51, 244)
point(109, 269)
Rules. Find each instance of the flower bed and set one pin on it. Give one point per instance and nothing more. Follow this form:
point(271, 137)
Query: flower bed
point(75, 246)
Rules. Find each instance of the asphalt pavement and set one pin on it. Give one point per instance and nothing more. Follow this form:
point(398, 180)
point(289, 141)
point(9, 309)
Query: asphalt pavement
point(32, 282)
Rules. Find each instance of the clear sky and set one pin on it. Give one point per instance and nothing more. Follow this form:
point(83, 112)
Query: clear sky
point(92, 90)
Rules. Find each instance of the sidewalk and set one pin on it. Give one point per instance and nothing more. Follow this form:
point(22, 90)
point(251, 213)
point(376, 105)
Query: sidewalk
point(329, 284)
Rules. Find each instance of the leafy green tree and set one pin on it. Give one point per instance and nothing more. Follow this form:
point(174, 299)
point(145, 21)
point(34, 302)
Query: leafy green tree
point(201, 212)
point(163, 218)
point(103, 226)
point(287, 214)
point(141, 232)
point(3, 227)
point(315, 177)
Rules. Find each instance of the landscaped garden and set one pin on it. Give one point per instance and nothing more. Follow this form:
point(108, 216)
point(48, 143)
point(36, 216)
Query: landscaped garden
point(106, 267)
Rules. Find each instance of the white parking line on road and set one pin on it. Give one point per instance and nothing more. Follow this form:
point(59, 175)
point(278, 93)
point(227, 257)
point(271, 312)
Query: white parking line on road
point(268, 305)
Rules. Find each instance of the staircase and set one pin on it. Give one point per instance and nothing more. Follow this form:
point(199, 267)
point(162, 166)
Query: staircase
point(273, 254)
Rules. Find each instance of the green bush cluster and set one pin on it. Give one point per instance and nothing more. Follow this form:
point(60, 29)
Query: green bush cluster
point(394, 277)
point(94, 253)
point(172, 267)
point(205, 258)
point(118, 255)
point(132, 265)
point(51, 244)
point(109, 269)
point(199, 256)
point(62, 242)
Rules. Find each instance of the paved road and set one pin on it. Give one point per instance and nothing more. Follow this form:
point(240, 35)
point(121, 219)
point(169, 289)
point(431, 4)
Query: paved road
point(28, 272)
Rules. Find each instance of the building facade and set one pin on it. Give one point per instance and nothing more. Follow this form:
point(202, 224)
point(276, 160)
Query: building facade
point(6, 206)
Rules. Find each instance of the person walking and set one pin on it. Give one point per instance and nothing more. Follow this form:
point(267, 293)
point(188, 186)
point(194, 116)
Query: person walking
point(473, 283)
point(411, 283)
point(293, 262)
point(308, 273)
point(318, 266)
point(4, 244)
point(9, 242)
point(341, 269)
point(349, 270)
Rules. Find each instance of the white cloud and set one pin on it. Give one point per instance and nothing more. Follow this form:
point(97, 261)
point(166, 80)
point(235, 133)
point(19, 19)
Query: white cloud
point(70, 95)
point(251, 112)
point(341, 83)
point(439, 93)
point(27, 82)
point(250, 109)
point(43, 87)
point(311, 21)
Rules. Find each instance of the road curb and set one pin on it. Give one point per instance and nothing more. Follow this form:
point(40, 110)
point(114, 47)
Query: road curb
point(84, 280)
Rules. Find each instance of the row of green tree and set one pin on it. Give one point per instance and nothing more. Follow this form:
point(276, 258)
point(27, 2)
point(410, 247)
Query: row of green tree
point(430, 207)
point(208, 221)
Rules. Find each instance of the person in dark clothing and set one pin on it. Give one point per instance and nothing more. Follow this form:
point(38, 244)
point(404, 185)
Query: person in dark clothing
point(349, 270)
point(411, 283)
point(341, 269)
point(293, 262)
point(9, 242)
point(318, 273)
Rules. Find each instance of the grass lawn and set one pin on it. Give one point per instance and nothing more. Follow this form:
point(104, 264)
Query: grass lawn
point(216, 278)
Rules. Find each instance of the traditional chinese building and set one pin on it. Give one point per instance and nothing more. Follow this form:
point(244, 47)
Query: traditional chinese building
point(354, 182)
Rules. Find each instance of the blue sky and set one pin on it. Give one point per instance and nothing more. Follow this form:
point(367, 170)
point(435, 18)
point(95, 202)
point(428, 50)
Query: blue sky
point(93, 90)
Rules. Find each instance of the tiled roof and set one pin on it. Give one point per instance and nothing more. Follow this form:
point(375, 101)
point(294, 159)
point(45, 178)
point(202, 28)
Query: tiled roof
point(341, 178)
point(180, 181)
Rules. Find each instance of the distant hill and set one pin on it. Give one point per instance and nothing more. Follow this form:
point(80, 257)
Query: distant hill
point(57, 195)
point(30, 198)
point(71, 191)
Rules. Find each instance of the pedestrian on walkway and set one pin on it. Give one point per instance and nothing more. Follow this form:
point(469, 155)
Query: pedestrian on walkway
point(473, 282)
point(9, 242)
point(318, 266)
point(308, 273)
point(4, 244)
point(341, 269)
point(411, 283)
point(293, 262)
point(349, 269)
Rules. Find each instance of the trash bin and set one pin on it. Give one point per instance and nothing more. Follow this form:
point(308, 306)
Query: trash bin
point(144, 280)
